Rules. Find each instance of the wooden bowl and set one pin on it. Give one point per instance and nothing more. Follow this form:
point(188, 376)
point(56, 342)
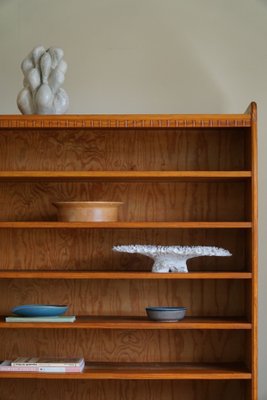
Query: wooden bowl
point(87, 211)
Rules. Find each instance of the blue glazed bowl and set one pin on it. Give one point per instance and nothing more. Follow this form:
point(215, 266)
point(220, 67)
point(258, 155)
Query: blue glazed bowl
point(166, 314)
point(39, 310)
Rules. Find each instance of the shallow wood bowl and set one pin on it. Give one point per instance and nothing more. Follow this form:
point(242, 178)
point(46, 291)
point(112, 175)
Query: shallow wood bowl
point(87, 211)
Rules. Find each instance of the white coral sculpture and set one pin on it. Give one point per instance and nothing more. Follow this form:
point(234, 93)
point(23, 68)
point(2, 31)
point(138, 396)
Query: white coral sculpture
point(44, 73)
point(172, 258)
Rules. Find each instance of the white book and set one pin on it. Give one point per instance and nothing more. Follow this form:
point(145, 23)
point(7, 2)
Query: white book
point(6, 366)
point(47, 362)
point(60, 318)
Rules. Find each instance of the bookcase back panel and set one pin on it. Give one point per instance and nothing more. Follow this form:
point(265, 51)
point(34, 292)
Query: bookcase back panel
point(126, 346)
point(120, 149)
point(123, 390)
point(126, 297)
point(74, 249)
point(183, 201)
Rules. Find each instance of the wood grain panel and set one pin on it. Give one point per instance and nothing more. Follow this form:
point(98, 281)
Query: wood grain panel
point(134, 323)
point(113, 149)
point(123, 390)
point(92, 249)
point(184, 201)
point(126, 346)
point(115, 297)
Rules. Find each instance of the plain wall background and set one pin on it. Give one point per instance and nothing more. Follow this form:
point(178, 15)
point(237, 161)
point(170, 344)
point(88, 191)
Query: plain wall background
point(151, 56)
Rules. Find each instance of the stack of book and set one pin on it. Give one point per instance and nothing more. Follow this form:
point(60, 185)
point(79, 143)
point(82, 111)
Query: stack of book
point(59, 318)
point(38, 364)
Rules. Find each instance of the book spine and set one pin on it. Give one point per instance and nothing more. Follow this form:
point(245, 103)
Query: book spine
point(18, 364)
point(17, 369)
point(25, 320)
point(40, 369)
point(60, 369)
point(22, 364)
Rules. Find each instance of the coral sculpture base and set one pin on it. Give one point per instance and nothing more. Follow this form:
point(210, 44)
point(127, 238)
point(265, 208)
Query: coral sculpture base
point(170, 263)
point(172, 258)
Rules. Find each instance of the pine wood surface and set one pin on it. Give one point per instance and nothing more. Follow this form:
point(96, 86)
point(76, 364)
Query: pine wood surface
point(205, 297)
point(170, 202)
point(123, 225)
point(254, 251)
point(125, 175)
point(196, 179)
point(133, 322)
point(125, 121)
point(107, 275)
point(127, 345)
point(24, 389)
point(123, 150)
point(144, 372)
point(74, 250)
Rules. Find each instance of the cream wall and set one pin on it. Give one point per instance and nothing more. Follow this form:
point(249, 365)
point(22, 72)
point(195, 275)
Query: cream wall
point(151, 56)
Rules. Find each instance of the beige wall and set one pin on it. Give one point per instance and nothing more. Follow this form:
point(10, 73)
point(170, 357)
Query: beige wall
point(151, 56)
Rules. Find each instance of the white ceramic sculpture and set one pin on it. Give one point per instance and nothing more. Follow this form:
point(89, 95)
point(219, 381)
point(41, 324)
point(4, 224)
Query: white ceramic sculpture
point(172, 258)
point(44, 73)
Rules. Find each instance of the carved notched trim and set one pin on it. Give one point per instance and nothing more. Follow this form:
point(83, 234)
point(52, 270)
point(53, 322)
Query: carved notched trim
point(152, 122)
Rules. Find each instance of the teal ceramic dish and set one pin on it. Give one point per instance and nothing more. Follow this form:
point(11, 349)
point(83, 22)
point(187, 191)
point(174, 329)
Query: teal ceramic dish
point(39, 310)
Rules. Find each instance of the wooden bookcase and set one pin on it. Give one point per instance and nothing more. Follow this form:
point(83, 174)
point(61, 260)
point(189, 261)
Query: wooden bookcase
point(184, 179)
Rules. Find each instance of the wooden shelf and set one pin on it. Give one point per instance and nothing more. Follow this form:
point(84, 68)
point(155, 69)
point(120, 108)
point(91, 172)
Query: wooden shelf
point(126, 121)
point(133, 323)
point(145, 371)
point(123, 225)
point(124, 175)
point(38, 274)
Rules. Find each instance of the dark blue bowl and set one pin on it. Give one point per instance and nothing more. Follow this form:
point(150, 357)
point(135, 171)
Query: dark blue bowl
point(166, 314)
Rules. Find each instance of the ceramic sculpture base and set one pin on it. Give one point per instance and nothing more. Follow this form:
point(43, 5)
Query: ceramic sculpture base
point(172, 258)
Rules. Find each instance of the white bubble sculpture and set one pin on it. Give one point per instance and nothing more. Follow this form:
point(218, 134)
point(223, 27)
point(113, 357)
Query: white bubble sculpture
point(44, 73)
point(172, 258)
